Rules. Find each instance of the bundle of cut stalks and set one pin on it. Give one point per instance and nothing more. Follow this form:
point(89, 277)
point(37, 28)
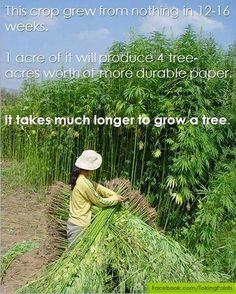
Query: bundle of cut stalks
point(58, 196)
point(119, 253)
point(136, 202)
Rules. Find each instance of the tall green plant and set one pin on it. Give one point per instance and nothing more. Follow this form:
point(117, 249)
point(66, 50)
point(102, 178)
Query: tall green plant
point(169, 163)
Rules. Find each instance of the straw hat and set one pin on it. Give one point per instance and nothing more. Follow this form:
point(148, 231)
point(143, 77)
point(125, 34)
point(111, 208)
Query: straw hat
point(89, 160)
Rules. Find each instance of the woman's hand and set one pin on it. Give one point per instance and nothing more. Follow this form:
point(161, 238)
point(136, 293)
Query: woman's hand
point(121, 199)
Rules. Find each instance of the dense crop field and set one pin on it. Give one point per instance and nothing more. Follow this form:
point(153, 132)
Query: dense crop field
point(187, 172)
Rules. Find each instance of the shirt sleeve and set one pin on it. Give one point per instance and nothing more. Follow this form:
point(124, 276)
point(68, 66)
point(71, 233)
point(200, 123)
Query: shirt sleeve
point(99, 201)
point(103, 191)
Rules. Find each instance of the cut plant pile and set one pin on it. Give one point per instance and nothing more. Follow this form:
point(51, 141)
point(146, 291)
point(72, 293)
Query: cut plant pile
point(58, 196)
point(118, 253)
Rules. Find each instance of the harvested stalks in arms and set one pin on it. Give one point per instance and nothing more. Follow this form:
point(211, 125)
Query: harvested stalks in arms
point(119, 253)
point(136, 202)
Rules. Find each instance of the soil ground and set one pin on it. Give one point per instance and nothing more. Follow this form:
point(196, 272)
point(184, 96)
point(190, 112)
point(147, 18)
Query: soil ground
point(23, 217)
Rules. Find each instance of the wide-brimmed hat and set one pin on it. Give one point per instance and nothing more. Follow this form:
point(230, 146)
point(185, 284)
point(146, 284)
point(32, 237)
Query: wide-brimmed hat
point(89, 160)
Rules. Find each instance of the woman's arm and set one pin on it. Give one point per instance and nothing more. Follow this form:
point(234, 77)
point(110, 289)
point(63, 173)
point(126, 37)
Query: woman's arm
point(103, 191)
point(96, 199)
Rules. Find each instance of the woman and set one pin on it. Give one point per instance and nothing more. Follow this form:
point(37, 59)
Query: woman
point(86, 193)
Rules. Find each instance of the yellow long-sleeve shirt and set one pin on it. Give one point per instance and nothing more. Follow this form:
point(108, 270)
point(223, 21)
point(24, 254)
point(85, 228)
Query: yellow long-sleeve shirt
point(84, 195)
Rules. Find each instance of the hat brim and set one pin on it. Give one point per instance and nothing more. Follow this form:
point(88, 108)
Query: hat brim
point(81, 163)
